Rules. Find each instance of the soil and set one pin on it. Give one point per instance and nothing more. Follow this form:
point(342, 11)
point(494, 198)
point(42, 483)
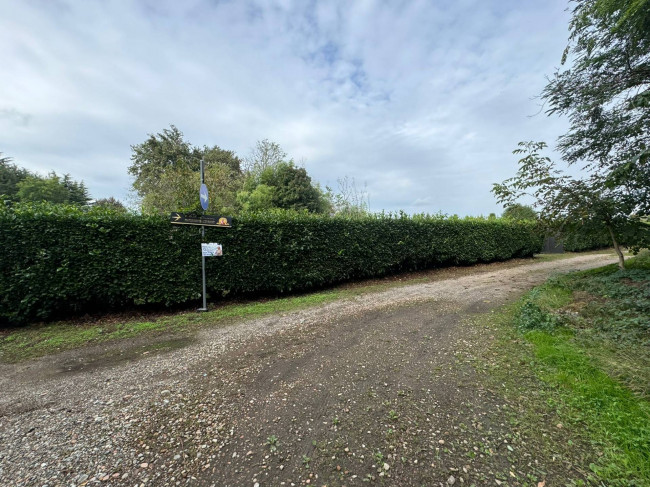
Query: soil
point(380, 389)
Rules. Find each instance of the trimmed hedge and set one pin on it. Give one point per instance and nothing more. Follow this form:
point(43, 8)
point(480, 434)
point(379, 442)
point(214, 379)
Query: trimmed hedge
point(60, 260)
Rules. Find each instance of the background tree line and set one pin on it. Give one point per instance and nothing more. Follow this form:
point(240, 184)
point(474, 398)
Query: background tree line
point(166, 177)
point(19, 184)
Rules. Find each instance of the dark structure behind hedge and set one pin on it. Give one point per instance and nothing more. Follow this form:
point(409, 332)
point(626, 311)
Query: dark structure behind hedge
point(59, 260)
point(581, 241)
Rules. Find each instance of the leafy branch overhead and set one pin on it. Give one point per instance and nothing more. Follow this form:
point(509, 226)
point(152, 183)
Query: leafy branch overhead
point(605, 93)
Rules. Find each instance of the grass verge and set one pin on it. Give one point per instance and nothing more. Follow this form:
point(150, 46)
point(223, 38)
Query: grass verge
point(584, 341)
point(38, 340)
point(46, 338)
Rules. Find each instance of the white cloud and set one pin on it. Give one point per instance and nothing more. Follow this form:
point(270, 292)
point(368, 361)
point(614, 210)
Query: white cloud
point(423, 101)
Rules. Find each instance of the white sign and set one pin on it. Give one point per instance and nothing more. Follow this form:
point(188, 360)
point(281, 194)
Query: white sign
point(211, 250)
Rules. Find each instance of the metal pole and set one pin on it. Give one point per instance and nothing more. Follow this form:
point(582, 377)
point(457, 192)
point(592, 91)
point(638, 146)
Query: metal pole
point(205, 307)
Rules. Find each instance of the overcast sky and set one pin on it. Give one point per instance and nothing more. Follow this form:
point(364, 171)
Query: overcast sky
point(423, 101)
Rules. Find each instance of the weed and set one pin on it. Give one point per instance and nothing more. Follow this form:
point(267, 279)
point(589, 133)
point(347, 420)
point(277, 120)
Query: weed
point(306, 460)
point(393, 415)
point(272, 442)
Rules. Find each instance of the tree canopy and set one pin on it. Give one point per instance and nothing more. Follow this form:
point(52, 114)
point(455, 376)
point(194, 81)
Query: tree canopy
point(166, 174)
point(603, 88)
point(605, 92)
point(594, 204)
point(517, 211)
point(19, 184)
point(282, 185)
point(10, 176)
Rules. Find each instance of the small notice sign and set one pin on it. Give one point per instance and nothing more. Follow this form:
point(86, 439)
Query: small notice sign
point(211, 250)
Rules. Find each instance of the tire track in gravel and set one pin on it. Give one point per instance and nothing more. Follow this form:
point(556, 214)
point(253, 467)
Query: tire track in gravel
point(61, 428)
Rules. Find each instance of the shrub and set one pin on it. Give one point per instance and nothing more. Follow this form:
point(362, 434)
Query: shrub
point(58, 259)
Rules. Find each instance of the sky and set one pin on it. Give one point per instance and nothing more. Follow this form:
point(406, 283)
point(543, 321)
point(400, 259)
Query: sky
point(420, 102)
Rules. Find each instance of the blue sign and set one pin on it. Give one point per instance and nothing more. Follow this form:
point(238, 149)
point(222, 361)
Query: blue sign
point(203, 195)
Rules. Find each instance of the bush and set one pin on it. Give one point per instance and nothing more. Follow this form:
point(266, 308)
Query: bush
point(57, 260)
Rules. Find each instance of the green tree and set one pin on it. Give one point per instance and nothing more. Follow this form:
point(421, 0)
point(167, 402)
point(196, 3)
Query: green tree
point(603, 88)
point(594, 204)
point(35, 188)
point(77, 192)
point(517, 211)
point(10, 176)
point(605, 92)
point(283, 185)
point(272, 181)
point(166, 174)
point(177, 189)
point(111, 203)
point(260, 198)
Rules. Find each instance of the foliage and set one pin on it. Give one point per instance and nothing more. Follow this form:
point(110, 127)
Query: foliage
point(63, 259)
point(605, 90)
point(10, 176)
point(606, 96)
point(111, 203)
point(532, 317)
point(594, 205)
point(579, 241)
point(536, 312)
point(77, 192)
point(177, 189)
point(53, 189)
point(260, 198)
point(264, 155)
point(598, 361)
point(623, 315)
point(166, 170)
point(281, 185)
point(517, 211)
point(18, 184)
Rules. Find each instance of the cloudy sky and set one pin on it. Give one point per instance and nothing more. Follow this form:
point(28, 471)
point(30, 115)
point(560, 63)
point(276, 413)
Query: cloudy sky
point(422, 101)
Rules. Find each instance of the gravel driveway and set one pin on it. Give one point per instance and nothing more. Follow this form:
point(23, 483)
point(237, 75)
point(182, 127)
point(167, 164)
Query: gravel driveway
point(359, 390)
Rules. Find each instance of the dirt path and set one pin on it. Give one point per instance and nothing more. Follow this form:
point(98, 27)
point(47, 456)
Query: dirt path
point(369, 389)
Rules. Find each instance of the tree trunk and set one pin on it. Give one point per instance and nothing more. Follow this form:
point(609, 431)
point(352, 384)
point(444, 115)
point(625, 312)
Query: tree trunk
point(617, 248)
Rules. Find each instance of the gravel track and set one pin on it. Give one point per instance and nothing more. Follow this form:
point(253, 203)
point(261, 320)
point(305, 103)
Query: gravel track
point(65, 426)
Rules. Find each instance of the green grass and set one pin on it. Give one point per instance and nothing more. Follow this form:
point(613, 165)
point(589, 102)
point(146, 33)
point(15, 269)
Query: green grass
point(38, 340)
point(586, 337)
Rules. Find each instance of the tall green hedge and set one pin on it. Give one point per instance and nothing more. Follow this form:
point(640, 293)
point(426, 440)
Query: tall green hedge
point(60, 260)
